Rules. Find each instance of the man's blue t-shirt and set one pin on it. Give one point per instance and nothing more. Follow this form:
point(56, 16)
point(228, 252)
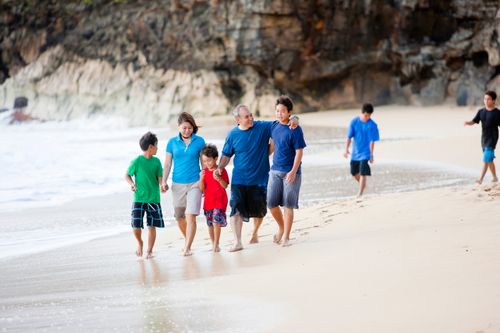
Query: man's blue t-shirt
point(286, 142)
point(186, 159)
point(363, 133)
point(251, 153)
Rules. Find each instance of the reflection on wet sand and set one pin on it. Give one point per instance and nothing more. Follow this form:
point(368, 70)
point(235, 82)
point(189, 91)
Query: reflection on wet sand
point(152, 278)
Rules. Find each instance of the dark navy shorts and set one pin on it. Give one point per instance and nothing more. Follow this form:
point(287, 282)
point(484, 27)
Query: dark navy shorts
point(248, 201)
point(153, 213)
point(360, 167)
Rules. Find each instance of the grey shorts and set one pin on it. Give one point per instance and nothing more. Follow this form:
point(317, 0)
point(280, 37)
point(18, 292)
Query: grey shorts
point(282, 193)
point(187, 199)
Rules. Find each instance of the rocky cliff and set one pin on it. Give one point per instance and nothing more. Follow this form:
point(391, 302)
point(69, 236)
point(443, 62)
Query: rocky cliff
point(150, 60)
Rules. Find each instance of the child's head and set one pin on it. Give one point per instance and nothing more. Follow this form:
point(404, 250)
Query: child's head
point(284, 107)
point(366, 111)
point(149, 142)
point(489, 98)
point(209, 156)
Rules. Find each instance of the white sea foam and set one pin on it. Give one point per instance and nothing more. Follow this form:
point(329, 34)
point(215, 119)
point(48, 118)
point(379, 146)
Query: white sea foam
point(55, 162)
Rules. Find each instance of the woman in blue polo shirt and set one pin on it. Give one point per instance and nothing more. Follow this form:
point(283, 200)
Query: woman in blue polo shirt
point(184, 151)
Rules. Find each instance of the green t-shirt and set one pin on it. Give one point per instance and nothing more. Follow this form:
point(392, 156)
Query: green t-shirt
point(146, 172)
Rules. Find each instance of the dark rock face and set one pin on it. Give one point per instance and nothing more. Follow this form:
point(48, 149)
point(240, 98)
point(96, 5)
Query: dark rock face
point(325, 54)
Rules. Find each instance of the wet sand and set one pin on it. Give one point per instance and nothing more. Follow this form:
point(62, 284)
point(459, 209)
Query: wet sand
point(417, 261)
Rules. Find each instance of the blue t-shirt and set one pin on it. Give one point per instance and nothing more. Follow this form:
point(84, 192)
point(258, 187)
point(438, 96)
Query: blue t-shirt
point(286, 142)
point(363, 133)
point(251, 153)
point(186, 158)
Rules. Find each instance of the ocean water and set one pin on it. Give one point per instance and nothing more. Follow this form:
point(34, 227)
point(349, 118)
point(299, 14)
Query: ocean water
point(63, 182)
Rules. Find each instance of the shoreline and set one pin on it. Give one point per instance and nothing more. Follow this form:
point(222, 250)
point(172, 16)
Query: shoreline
point(423, 260)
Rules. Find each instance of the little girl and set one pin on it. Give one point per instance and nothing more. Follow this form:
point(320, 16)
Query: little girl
point(214, 188)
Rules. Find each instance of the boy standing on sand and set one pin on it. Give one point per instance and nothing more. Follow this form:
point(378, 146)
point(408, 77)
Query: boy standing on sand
point(364, 131)
point(147, 172)
point(214, 188)
point(489, 116)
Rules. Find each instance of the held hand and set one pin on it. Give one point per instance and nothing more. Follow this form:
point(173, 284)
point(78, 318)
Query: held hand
point(217, 177)
point(347, 153)
point(371, 159)
point(290, 177)
point(133, 188)
point(163, 188)
point(293, 123)
point(217, 172)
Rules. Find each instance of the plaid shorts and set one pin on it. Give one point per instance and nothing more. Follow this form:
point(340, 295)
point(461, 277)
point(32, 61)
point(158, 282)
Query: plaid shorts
point(216, 215)
point(153, 214)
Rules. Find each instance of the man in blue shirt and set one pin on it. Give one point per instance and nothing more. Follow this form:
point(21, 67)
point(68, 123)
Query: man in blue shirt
point(364, 131)
point(249, 143)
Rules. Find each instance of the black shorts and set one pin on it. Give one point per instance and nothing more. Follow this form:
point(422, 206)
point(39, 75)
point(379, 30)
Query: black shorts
point(153, 213)
point(360, 167)
point(248, 201)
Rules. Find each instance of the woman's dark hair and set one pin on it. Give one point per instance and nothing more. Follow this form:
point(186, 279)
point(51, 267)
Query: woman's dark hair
point(367, 108)
point(210, 151)
point(492, 94)
point(148, 139)
point(185, 117)
point(286, 101)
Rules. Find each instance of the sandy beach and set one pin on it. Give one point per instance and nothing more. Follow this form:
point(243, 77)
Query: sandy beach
point(418, 261)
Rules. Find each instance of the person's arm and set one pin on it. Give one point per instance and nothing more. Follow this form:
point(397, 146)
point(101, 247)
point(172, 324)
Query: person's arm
point(201, 183)
point(130, 181)
point(475, 120)
point(166, 169)
point(163, 189)
point(292, 174)
point(347, 145)
point(372, 148)
point(221, 181)
point(224, 161)
point(270, 147)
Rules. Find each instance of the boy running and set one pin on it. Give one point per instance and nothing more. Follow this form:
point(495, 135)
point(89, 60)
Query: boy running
point(489, 116)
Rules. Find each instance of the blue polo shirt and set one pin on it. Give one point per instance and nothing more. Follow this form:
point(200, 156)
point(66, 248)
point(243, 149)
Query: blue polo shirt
point(363, 132)
point(286, 143)
point(251, 153)
point(186, 158)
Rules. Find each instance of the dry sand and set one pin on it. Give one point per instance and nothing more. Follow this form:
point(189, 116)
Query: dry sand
point(426, 261)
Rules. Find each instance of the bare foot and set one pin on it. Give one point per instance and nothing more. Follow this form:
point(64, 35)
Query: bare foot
point(254, 239)
point(187, 253)
point(286, 243)
point(479, 182)
point(235, 248)
point(494, 180)
point(276, 239)
point(216, 249)
point(149, 255)
point(138, 252)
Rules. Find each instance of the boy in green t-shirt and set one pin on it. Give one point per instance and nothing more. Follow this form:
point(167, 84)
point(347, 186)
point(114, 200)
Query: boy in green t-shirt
point(147, 172)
